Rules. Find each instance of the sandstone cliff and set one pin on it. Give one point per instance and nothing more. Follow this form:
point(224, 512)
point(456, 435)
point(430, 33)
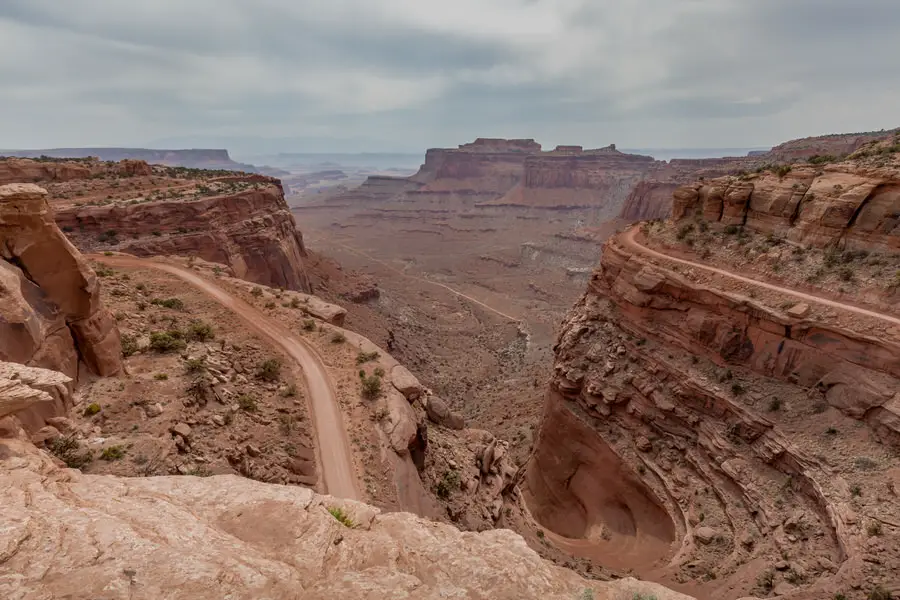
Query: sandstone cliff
point(242, 221)
point(847, 204)
point(683, 437)
point(50, 304)
point(211, 158)
point(82, 536)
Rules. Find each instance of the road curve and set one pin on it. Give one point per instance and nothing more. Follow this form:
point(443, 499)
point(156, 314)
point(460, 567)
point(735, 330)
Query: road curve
point(334, 447)
point(628, 239)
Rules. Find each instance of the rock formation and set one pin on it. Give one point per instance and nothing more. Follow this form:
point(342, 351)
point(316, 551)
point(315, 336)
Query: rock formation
point(847, 204)
point(51, 311)
point(209, 537)
point(211, 158)
point(662, 442)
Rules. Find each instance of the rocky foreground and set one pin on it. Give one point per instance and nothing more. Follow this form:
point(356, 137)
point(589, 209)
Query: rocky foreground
point(77, 536)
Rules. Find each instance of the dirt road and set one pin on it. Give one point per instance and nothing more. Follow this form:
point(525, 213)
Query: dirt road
point(334, 447)
point(628, 239)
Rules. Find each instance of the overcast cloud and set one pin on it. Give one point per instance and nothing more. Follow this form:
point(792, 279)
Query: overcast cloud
point(408, 74)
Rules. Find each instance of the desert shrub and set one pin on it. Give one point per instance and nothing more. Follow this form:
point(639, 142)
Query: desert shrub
point(731, 229)
point(879, 593)
point(821, 159)
point(371, 387)
point(766, 580)
point(782, 170)
point(737, 389)
point(195, 365)
point(379, 372)
point(112, 453)
point(831, 431)
point(129, 345)
point(774, 404)
point(167, 341)
point(309, 325)
point(108, 236)
point(846, 274)
point(873, 528)
point(338, 338)
point(269, 370)
point(67, 450)
point(684, 231)
point(173, 303)
point(290, 391)
point(199, 331)
point(448, 483)
point(92, 409)
point(855, 491)
point(270, 305)
point(295, 302)
point(247, 403)
point(342, 517)
point(257, 291)
point(161, 376)
point(364, 357)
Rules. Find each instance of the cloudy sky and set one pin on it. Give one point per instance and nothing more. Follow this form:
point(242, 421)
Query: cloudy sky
point(407, 74)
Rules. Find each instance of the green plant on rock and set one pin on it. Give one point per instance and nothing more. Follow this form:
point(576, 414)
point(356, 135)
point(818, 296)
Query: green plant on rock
point(173, 303)
point(67, 449)
point(448, 484)
point(342, 516)
point(269, 370)
point(338, 338)
point(167, 341)
point(364, 357)
point(129, 345)
point(92, 409)
point(371, 387)
point(199, 331)
point(247, 403)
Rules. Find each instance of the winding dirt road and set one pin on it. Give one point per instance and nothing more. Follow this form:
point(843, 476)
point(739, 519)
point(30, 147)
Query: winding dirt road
point(334, 447)
point(628, 239)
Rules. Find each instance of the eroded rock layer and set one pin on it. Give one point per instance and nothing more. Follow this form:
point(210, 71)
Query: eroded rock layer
point(683, 435)
point(50, 304)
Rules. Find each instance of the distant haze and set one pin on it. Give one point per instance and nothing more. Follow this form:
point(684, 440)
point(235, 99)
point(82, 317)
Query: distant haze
point(271, 76)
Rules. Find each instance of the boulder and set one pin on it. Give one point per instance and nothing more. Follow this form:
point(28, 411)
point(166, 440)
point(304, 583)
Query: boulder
point(799, 310)
point(438, 412)
point(401, 423)
point(406, 383)
point(705, 535)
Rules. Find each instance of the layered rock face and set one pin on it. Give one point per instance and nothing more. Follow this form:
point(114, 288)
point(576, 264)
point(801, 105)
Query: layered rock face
point(573, 178)
point(848, 205)
point(683, 436)
point(840, 144)
point(50, 304)
point(252, 230)
point(211, 158)
point(209, 537)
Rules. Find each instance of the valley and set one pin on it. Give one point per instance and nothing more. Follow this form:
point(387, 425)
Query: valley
point(672, 379)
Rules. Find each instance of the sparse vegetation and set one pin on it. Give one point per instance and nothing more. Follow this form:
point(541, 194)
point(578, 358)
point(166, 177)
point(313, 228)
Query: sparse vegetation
point(855, 491)
point(731, 229)
point(874, 529)
point(173, 303)
point(247, 403)
point(364, 357)
point(195, 365)
point(338, 338)
point(879, 593)
point(831, 431)
point(864, 463)
point(290, 391)
point(309, 325)
point(112, 453)
point(371, 387)
point(269, 370)
point(379, 372)
point(67, 450)
point(161, 377)
point(199, 331)
point(774, 404)
point(342, 517)
point(448, 483)
point(92, 409)
point(766, 580)
point(167, 341)
point(256, 291)
point(129, 345)
point(737, 389)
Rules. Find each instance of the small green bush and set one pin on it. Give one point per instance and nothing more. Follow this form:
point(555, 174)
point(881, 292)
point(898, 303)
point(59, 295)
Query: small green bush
point(309, 325)
point(338, 338)
point(379, 372)
point(195, 365)
point(167, 341)
point(879, 593)
point(774, 404)
point(371, 387)
point(112, 453)
point(364, 357)
point(257, 291)
point(173, 303)
point(161, 376)
point(199, 331)
point(269, 370)
point(67, 450)
point(92, 409)
point(246, 402)
point(342, 517)
point(129, 345)
point(731, 229)
point(448, 484)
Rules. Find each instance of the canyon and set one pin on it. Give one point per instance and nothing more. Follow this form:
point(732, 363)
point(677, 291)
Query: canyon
point(672, 379)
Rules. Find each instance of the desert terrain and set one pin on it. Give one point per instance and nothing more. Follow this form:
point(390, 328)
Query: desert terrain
point(672, 379)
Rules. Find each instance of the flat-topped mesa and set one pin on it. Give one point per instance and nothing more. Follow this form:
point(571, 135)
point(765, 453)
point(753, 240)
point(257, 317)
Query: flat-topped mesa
point(841, 144)
point(51, 314)
point(501, 145)
point(26, 170)
point(847, 205)
point(204, 158)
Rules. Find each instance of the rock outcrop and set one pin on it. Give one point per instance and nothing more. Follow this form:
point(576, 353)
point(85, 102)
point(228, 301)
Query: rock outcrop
point(204, 158)
point(251, 230)
point(209, 537)
point(664, 448)
point(50, 304)
point(847, 204)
